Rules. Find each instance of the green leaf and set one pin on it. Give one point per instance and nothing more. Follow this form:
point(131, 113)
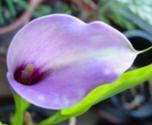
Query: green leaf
point(21, 105)
point(42, 10)
point(126, 81)
point(22, 4)
point(114, 11)
point(1, 123)
point(11, 7)
point(1, 16)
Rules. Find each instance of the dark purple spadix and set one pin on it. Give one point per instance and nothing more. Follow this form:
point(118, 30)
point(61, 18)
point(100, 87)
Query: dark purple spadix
point(55, 61)
point(28, 74)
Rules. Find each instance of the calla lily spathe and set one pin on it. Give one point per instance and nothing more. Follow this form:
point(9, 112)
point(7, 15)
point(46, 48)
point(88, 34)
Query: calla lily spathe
point(56, 60)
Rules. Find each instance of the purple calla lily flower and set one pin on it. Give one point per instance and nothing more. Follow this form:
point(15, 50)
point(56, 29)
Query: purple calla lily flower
point(55, 61)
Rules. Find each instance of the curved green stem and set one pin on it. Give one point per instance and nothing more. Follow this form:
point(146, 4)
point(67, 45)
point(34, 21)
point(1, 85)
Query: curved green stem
point(145, 50)
point(56, 118)
point(126, 81)
point(20, 107)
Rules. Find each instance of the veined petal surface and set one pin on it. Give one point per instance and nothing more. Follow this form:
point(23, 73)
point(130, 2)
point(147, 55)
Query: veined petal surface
point(74, 56)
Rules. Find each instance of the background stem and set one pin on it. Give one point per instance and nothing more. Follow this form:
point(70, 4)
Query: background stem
point(21, 106)
point(72, 121)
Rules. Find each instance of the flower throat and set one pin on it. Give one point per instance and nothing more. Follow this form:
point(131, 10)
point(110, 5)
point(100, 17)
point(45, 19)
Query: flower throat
point(28, 74)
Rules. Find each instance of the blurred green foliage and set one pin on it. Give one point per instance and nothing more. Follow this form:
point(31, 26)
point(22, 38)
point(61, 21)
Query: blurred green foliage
point(10, 10)
point(109, 11)
point(118, 11)
point(42, 10)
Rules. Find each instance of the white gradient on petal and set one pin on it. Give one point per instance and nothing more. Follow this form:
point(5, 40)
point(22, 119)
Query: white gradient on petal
point(107, 72)
point(41, 97)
